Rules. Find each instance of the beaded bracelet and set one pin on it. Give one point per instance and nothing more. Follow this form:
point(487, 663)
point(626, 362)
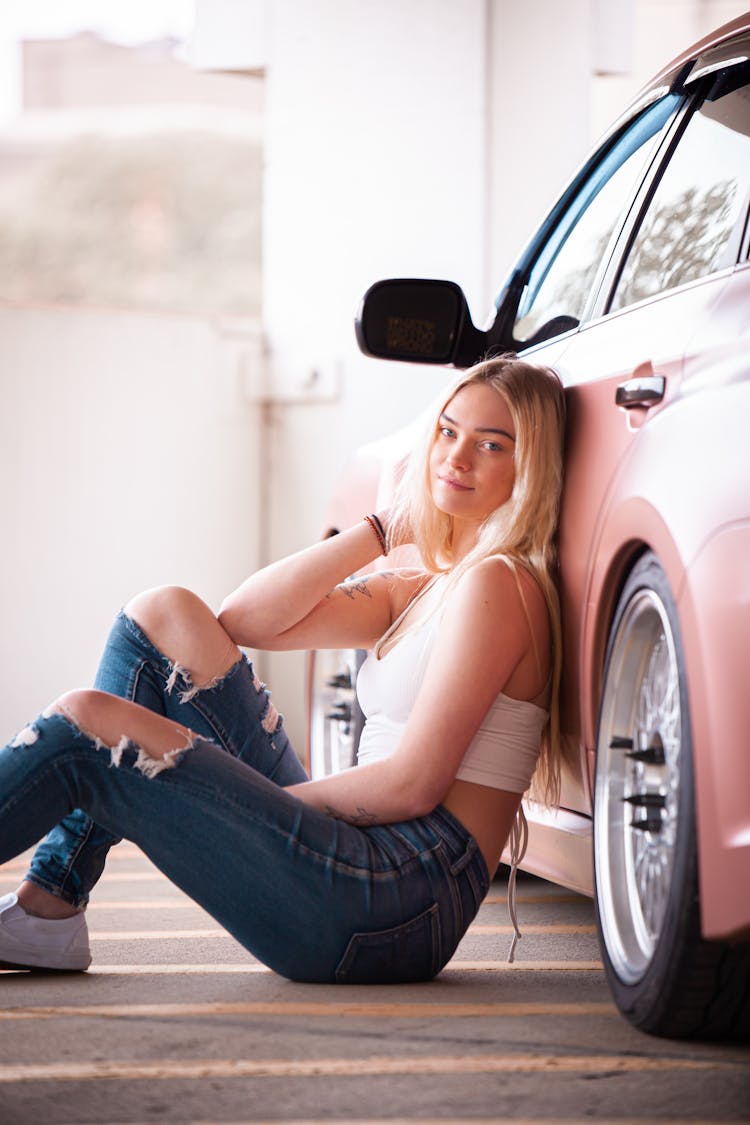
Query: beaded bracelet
point(377, 528)
point(381, 530)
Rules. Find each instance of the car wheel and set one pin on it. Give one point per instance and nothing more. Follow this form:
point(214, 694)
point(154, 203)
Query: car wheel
point(335, 720)
point(663, 976)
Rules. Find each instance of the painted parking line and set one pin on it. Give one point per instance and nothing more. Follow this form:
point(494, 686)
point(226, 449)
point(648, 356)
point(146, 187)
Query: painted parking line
point(208, 968)
point(171, 969)
point(553, 898)
point(333, 1010)
point(166, 1069)
point(158, 935)
point(539, 928)
point(178, 902)
point(215, 932)
point(524, 966)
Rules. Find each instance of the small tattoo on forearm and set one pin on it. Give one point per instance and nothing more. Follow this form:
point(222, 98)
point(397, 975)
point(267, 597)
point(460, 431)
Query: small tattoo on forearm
point(360, 819)
point(352, 588)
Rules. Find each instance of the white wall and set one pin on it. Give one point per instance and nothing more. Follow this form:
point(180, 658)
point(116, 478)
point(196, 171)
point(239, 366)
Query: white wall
point(130, 457)
point(540, 58)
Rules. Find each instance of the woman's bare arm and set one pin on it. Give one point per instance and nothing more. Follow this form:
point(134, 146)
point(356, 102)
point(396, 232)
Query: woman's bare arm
point(306, 600)
point(483, 646)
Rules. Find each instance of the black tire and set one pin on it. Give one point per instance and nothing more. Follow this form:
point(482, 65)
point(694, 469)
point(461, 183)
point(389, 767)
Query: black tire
point(335, 718)
point(664, 977)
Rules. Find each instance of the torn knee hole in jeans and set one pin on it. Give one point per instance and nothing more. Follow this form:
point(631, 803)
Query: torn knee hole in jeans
point(270, 719)
point(145, 763)
point(179, 671)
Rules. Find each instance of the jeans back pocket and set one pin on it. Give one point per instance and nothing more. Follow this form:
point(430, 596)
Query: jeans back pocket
point(400, 955)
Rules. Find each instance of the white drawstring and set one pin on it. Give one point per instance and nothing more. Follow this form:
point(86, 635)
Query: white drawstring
point(519, 838)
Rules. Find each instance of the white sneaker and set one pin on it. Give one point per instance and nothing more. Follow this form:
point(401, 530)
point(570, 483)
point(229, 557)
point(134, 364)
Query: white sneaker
point(27, 942)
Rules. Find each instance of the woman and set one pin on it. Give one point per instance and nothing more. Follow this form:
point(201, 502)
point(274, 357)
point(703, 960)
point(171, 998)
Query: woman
point(374, 874)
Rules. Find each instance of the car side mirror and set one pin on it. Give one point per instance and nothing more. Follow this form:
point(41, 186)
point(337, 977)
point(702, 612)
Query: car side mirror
point(418, 321)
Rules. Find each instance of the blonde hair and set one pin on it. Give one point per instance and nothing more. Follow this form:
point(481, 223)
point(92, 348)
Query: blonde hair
point(522, 530)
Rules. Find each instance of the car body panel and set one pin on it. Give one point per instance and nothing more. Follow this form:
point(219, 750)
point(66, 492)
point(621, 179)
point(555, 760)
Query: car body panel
point(644, 338)
point(715, 618)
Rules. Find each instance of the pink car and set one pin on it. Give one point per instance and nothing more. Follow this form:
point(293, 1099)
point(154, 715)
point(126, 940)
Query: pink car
point(636, 288)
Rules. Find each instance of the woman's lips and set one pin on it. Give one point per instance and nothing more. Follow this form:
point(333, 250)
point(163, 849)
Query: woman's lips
point(451, 482)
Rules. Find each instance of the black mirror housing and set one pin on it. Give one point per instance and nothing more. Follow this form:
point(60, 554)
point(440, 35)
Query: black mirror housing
point(421, 321)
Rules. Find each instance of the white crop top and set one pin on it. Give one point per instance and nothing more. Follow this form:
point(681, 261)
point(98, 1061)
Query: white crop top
point(504, 751)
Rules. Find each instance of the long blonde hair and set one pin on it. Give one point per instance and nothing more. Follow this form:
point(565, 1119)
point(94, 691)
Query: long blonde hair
point(522, 530)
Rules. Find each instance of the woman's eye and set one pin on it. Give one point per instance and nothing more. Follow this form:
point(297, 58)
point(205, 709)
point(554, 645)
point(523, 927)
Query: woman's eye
point(492, 446)
point(446, 431)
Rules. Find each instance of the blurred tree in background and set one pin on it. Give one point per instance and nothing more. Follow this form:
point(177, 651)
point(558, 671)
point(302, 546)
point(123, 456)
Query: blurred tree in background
point(168, 221)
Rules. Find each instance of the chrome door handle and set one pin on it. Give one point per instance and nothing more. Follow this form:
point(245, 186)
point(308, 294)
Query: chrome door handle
point(644, 391)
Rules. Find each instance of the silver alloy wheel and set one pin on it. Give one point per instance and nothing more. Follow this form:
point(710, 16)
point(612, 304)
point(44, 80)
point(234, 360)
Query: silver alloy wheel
point(637, 796)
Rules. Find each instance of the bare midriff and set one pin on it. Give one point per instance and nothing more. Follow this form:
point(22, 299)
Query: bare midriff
point(485, 812)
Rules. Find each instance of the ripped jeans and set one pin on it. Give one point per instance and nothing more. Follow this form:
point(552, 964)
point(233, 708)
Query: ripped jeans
point(314, 898)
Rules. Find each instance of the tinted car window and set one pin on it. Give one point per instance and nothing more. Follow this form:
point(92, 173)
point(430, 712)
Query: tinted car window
point(695, 221)
point(560, 280)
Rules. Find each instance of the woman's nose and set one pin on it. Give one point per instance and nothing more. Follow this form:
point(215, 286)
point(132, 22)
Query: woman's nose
point(459, 457)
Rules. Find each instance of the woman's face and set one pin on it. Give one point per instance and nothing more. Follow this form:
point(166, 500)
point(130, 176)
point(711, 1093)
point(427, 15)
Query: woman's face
point(472, 468)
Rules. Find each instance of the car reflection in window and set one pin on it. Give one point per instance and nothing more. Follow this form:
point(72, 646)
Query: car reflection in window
point(695, 222)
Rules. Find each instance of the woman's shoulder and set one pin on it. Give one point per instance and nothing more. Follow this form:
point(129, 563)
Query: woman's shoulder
point(501, 573)
point(501, 581)
point(497, 614)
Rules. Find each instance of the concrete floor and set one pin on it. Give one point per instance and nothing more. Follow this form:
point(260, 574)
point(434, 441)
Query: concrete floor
point(175, 1023)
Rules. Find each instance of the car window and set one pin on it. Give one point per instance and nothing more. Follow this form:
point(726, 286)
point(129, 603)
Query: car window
point(695, 221)
point(560, 279)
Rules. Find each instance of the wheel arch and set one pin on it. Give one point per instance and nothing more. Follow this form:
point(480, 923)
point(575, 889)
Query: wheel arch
point(632, 528)
point(713, 630)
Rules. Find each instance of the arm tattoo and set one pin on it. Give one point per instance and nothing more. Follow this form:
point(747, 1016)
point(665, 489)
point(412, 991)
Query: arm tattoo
point(352, 588)
point(361, 819)
point(360, 585)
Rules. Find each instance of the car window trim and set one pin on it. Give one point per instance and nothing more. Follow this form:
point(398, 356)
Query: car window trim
point(745, 242)
point(500, 333)
point(723, 57)
point(597, 305)
point(602, 306)
point(629, 229)
point(509, 293)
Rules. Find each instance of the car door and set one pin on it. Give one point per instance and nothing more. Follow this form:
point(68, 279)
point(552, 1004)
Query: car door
point(639, 263)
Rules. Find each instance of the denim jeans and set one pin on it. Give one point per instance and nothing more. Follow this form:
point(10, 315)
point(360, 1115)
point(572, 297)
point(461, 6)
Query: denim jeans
point(314, 898)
